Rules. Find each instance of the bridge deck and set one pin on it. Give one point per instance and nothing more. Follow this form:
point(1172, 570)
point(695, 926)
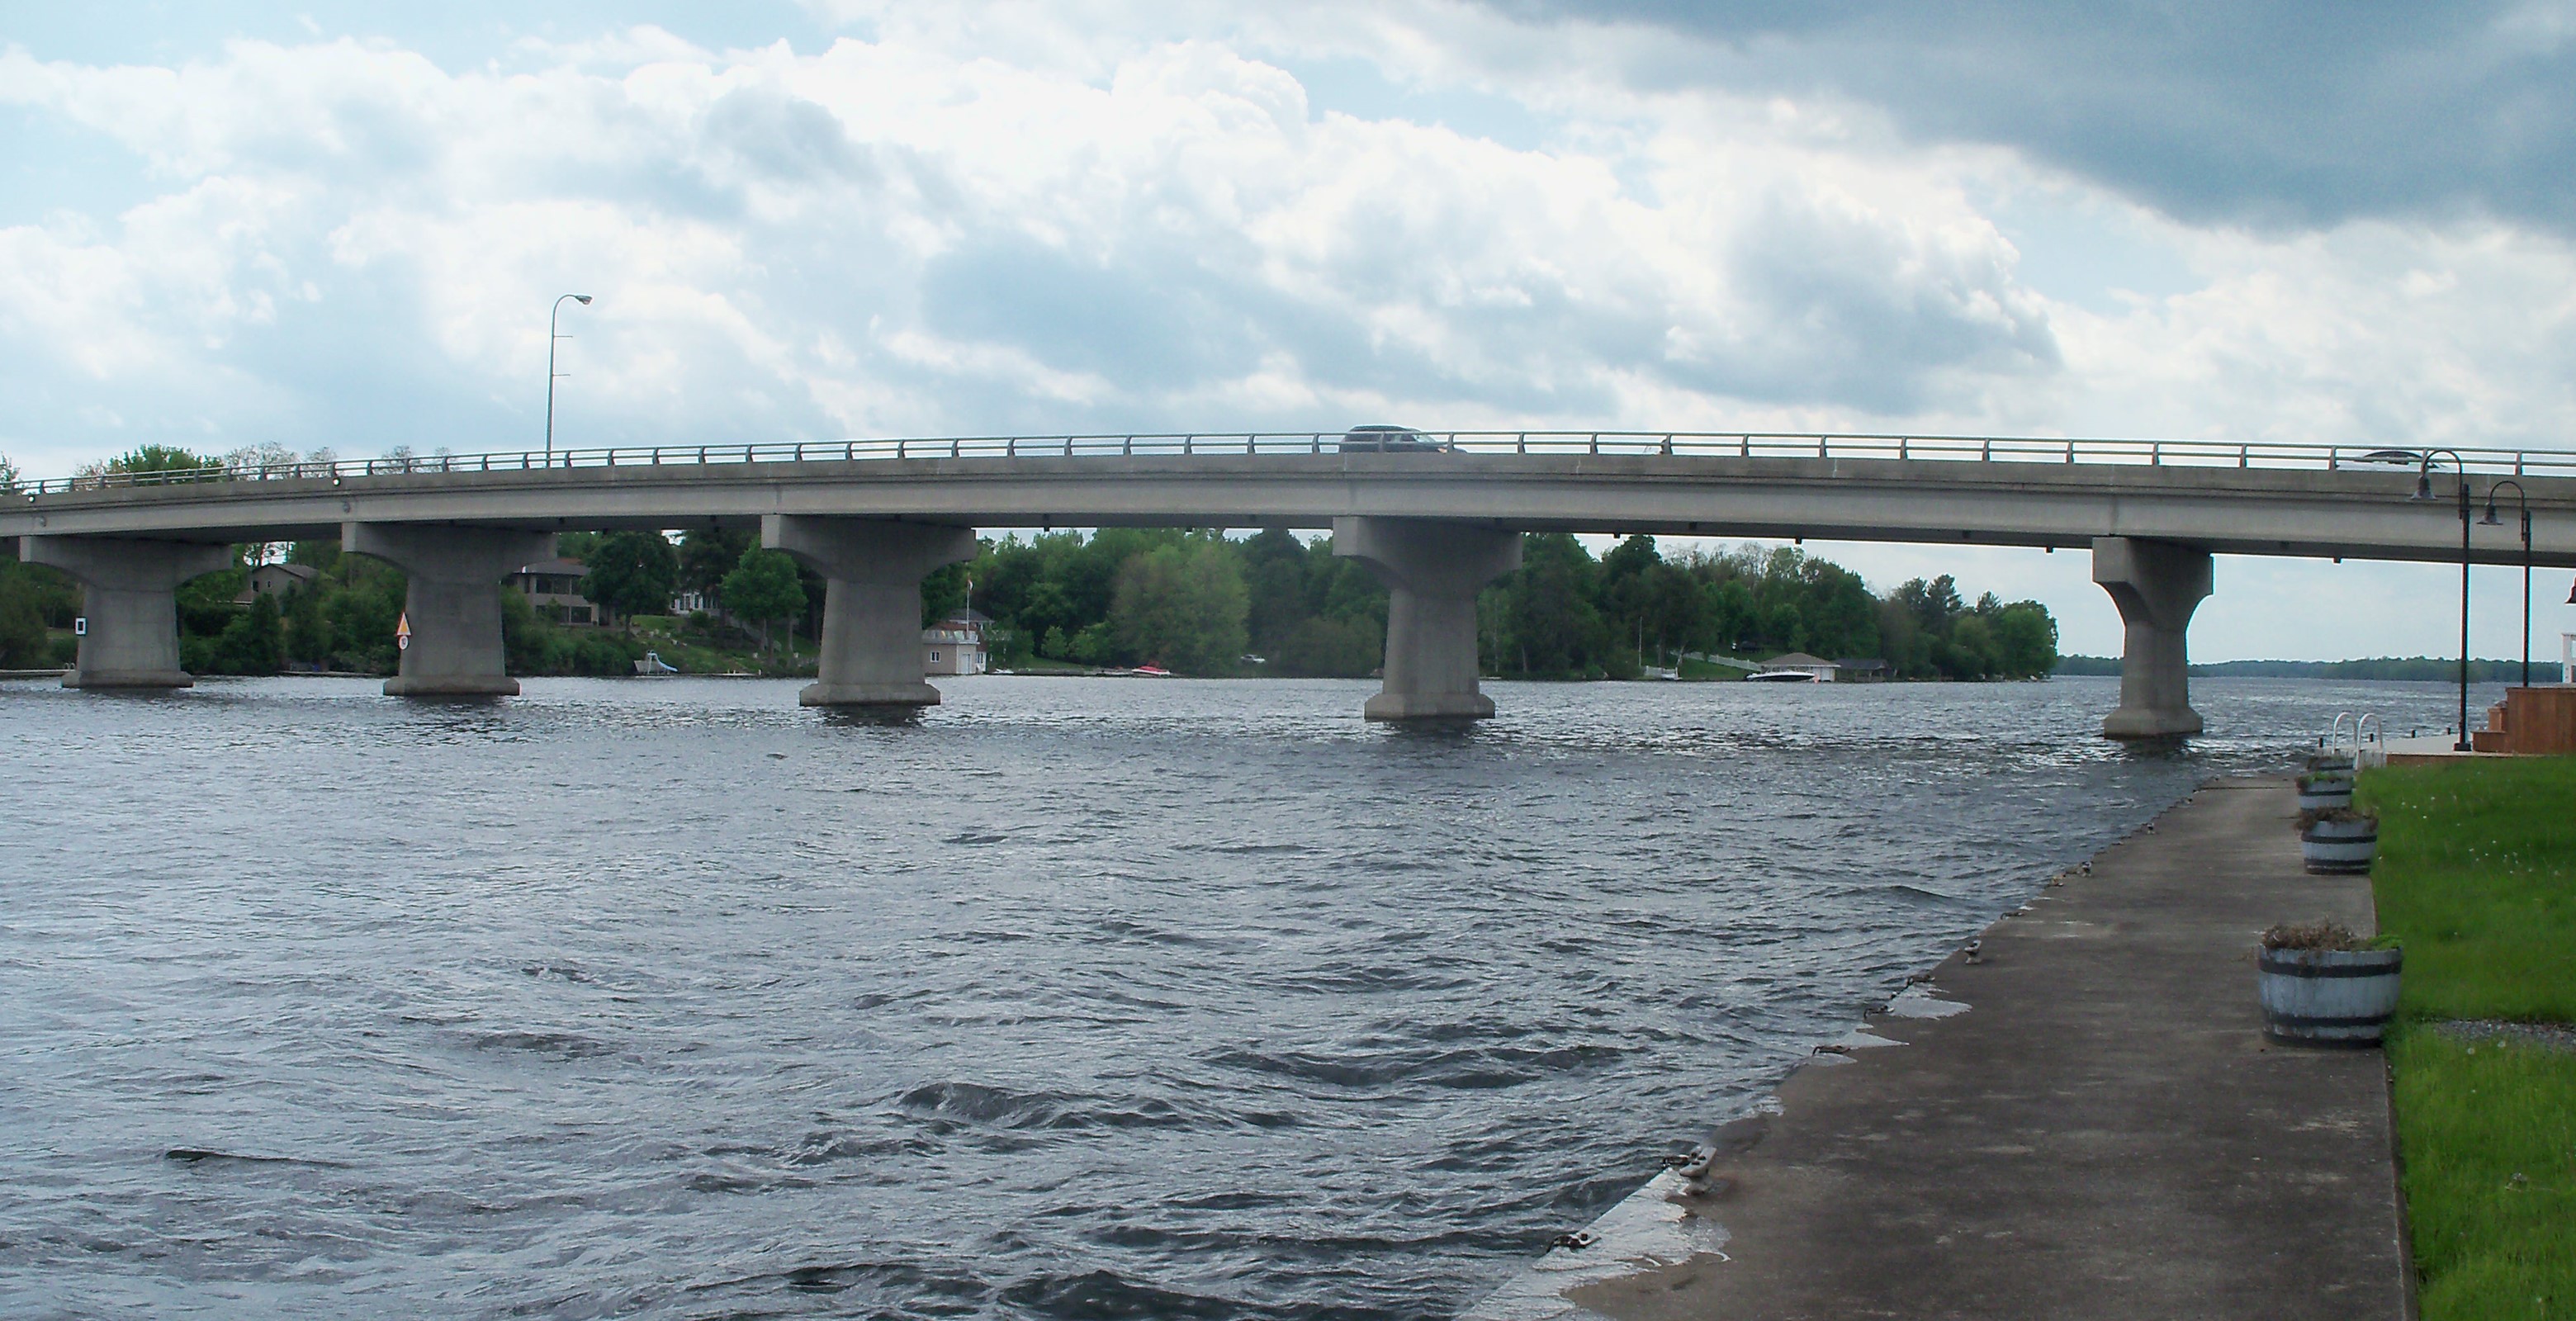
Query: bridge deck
point(2364, 512)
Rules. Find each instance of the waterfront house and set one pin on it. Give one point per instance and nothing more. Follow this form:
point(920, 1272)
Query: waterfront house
point(1801, 662)
point(553, 589)
point(955, 645)
point(276, 580)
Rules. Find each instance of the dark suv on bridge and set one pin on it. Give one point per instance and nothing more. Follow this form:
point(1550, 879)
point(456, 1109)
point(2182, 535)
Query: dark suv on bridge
point(1388, 440)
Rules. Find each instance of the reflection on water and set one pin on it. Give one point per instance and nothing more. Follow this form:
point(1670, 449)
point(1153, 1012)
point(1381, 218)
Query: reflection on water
point(843, 717)
point(1066, 998)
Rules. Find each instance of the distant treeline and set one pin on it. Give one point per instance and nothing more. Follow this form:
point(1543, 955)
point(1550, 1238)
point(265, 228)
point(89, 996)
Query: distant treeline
point(2427, 668)
point(34, 599)
point(1198, 602)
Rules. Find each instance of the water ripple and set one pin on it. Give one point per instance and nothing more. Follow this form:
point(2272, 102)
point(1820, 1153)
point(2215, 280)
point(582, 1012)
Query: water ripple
point(1070, 999)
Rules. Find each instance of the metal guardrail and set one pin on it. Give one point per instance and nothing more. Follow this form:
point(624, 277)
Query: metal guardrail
point(1970, 449)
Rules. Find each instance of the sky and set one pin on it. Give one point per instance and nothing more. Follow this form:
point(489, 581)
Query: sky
point(342, 226)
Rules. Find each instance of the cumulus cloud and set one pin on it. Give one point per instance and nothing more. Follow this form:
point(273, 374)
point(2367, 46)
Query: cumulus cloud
point(2249, 111)
point(2246, 222)
point(882, 236)
point(1106, 215)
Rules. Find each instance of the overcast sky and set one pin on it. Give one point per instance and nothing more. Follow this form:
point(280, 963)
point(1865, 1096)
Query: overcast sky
point(341, 225)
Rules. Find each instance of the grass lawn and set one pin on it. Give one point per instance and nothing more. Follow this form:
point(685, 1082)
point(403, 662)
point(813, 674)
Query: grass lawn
point(1697, 669)
point(2477, 870)
point(1042, 665)
point(2477, 874)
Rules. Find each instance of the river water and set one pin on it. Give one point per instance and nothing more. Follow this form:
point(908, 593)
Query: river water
point(1075, 998)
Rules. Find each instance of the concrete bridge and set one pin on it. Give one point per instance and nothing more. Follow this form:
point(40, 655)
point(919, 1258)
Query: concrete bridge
point(1435, 523)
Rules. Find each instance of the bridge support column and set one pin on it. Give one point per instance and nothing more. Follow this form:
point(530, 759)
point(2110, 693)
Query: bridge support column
point(1432, 571)
point(453, 602)
point(2156, 585)
point(128, 595)
point(872, 571)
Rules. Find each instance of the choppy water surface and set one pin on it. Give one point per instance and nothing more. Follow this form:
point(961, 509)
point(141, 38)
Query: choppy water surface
point(1077, 998)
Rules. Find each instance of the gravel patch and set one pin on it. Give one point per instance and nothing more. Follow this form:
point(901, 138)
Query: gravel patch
point(2548, 1036)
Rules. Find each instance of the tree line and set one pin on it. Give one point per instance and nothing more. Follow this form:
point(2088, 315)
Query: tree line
point(2418, 669)
point(1190, 601)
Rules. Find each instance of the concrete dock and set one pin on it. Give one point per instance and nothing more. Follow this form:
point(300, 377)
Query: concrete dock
point(2103, 1132)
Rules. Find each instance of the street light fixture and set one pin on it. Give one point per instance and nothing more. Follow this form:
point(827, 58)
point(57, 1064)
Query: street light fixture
point(2491, 520)
point(554, 337)
point(2424, 491)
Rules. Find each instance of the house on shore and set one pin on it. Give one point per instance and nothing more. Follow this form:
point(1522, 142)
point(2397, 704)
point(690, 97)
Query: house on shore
point(553, 589)
point(276, 580)
point(955, 645)
point(1802, 663)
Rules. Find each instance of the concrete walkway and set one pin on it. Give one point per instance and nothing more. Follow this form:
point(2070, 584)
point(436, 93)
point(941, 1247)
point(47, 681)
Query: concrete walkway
point(2104, 1133)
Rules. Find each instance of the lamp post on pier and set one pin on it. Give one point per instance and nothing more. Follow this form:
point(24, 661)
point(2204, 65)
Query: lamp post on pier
point(554, 337)
point(2523, 499)
point(2424, 491)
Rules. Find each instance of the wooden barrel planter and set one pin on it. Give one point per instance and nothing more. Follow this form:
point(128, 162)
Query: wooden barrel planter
point(2334, 996)
point(2338, 841)
point(2322, 790)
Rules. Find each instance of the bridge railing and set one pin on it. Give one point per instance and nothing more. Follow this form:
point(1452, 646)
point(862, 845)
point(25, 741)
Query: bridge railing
point(1744, 445)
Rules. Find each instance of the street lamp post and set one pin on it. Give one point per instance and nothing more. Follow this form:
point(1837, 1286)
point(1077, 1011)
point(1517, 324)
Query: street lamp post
point(2424, 491)
point(2523, 499)
point(554, 337)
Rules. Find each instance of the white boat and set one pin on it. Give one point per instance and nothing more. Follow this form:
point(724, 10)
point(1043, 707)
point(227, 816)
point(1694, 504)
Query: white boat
point(1780, 676)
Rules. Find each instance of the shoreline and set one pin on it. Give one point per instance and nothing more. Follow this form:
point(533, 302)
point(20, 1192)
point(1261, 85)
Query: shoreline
point(2085, 1120)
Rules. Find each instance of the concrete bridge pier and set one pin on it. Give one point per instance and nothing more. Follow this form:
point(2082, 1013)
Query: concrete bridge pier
point(872, 571)
point(2156, 585)
point(128, 595)
point(453, 601)
point(1432, 571)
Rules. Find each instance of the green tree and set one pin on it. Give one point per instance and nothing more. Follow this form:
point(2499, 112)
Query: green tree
point(254, 642)
point(155, 459)
point(1182, 606)
point(1972, 653)
point(1841, 617)
point(632, 573)
point(308, 634)
point(1731, 615)
point(208, 604)
point(2025, 640)
point(707, 554)
point(1935, 605)
point(1330, 648)
point(1275, 576)
point(764, 587)
point(23, 644)
point(1549, 620)
point(943, 591)
point(9, 480)
point(1095, 645)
